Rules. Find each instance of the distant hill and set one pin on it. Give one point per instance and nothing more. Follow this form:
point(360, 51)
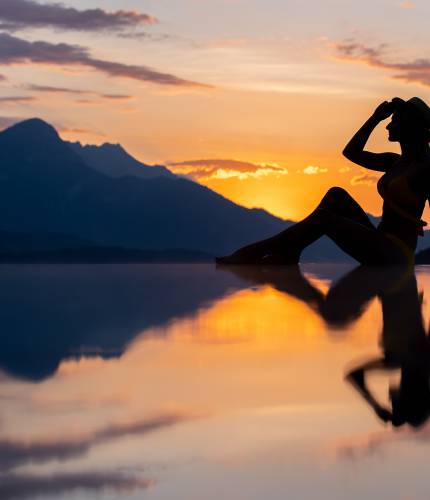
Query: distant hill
point(114, 161)
point(102, 255)
point(13, 242)
point(65, 248)
point(423, 257)
point(423, 241)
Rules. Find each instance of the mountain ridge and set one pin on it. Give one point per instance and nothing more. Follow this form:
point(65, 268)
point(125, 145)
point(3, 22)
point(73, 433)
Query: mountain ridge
point(45, 186)
point(113, 160)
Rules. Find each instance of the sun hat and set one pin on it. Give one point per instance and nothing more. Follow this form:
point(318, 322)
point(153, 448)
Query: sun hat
point(422, 107)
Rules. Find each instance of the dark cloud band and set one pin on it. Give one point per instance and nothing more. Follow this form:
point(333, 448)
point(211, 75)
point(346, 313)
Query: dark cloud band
point(20, 486)
point(14, 50)
point(80, 92)
point(417, 71)
point(20, 99)
point(18, 14)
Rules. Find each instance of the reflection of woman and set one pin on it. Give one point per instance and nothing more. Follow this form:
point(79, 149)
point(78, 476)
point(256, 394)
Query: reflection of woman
point(403, 187)
point(405, 346)
point(405, 343)
point(344, 302)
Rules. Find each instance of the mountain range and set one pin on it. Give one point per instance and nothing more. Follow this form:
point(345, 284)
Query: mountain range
point(50, 186)
point(60, 196)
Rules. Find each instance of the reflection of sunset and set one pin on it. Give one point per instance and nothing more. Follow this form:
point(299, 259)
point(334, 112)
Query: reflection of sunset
point(264, 320)
point(259, 333)
point(226, 394)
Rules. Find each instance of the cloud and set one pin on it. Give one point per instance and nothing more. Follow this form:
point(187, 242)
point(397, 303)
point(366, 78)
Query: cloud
point(312, 170)
point(116, 97)
point(18, 486)
point(88, 102)
point(155, 37)
point(416, 71)
point(201, 170)
point(20, 14)
point(366, 179)
point(75, 130)
point(2, 78)
point(56, 90)
point(14, 50)
point(66, 90)
point(356, 51)
point(17, 453)
point(16, 99)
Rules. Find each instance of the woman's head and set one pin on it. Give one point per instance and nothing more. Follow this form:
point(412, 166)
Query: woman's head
point(410, 121)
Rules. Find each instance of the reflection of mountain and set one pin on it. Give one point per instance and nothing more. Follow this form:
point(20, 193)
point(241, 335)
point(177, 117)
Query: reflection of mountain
point(13, 242)
point(50, 313)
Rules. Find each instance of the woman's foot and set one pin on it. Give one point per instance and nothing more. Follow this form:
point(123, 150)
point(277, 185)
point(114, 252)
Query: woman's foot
point(280, 259)
point(233, 260)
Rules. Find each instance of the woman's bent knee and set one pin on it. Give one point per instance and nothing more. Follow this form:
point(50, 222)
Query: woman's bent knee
point(334, 195)
point(336, 192)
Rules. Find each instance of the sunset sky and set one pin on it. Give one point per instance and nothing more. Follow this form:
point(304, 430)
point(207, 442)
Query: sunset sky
point(254, 99)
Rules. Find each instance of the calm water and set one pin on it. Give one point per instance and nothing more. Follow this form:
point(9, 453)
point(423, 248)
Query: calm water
point(189, 383)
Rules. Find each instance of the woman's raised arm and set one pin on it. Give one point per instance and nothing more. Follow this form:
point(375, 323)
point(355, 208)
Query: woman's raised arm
point(354, 150)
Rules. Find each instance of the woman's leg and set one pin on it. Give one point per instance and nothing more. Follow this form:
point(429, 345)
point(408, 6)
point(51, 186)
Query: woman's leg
point(339, 201)
point(338, 216)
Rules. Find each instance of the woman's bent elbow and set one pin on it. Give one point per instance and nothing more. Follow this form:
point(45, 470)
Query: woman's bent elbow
point(346, 153)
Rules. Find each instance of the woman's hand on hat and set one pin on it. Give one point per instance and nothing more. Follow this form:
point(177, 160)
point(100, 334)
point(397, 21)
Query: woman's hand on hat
point(384, 110)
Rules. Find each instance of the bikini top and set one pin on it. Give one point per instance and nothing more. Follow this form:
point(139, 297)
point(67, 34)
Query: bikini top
point(398, 195)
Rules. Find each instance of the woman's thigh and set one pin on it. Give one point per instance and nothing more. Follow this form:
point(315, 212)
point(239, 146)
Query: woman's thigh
point(340, 202)
point(364, 243)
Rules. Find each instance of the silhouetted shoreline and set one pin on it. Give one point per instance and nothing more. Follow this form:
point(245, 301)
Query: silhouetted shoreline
point(105, 255)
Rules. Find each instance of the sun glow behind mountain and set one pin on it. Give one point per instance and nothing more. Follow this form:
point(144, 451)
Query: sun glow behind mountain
point(278, 85)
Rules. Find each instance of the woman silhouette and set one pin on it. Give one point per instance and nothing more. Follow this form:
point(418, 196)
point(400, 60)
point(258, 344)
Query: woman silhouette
point(404, 188)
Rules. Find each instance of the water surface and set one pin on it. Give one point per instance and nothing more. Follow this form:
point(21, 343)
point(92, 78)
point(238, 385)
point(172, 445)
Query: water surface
point(188, 382)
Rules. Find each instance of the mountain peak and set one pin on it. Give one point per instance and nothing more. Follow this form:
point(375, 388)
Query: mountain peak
point(33, 129)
